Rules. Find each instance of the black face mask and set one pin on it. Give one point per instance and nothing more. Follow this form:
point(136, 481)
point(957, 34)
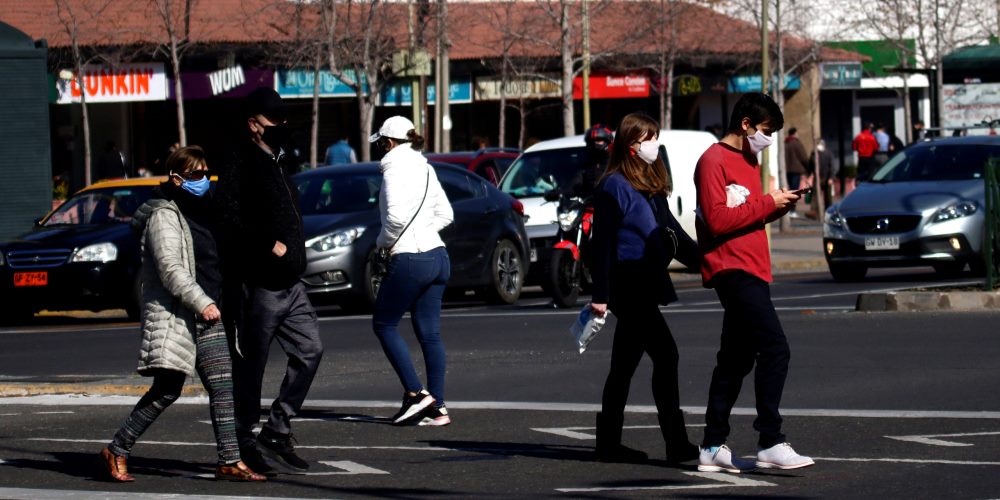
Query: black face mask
point(276, 136)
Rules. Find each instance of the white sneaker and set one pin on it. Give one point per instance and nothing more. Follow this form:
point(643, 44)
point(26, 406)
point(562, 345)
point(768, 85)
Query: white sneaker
point(721, 460)
point(782, 456)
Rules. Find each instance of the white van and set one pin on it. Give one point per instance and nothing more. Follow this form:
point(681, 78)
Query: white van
point(552, 164)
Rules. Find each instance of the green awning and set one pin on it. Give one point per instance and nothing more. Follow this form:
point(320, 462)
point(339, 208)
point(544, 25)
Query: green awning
point(883, 53)
point(974, 58)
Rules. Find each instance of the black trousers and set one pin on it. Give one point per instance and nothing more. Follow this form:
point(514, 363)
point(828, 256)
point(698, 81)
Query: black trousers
point(288, 316)
point(751, 334)
point(640, 329)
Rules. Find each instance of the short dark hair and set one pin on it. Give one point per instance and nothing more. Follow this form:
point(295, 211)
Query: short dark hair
point(759, 108)
point(792, 131)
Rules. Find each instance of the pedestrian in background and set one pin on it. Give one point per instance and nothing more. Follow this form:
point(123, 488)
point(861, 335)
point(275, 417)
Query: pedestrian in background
point(413, 209)
point(181, 331)
point(795, 163)
point(736, 262)
point(822, 159)
point(340, 152)
point(884, 145)
point(631, 252)
point(264, 240)
point(866, 146)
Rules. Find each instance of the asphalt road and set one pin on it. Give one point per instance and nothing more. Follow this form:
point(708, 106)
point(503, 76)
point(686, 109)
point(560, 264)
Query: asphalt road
point(889, 405)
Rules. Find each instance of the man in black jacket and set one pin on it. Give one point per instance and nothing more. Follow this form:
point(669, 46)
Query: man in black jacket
point(264, 251)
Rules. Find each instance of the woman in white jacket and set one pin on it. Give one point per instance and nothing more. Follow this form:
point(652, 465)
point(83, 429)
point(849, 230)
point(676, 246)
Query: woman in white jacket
point(413, 209)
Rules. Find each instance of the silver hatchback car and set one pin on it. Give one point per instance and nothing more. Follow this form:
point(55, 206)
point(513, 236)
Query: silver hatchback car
point(925, 206)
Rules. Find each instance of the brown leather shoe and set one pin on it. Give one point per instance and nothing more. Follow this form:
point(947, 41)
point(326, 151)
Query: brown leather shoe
point(116, 466)
point(237, 472)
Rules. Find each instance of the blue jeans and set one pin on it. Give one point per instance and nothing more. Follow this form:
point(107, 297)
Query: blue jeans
point(415, 283)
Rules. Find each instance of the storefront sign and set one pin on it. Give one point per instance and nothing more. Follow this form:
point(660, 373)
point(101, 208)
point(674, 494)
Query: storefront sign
point(970, 104)
point(400, 93)
point(840, 75)
point(121, 83)
point(751, 83)
point(299, 83)
point(224, 83)
point(490, 88)
point(613, 86)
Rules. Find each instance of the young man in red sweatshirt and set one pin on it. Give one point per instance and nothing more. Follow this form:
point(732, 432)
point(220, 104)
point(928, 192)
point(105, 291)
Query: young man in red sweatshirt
point(736, 262)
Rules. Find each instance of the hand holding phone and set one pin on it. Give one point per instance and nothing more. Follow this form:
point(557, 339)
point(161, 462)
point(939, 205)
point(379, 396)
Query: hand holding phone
point(805, 190)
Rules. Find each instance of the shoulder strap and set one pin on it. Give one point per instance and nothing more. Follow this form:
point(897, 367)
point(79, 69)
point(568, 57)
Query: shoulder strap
point(426, 186)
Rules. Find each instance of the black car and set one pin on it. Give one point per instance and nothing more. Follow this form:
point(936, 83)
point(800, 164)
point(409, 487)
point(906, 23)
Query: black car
point(82, 256)
point(486, 243)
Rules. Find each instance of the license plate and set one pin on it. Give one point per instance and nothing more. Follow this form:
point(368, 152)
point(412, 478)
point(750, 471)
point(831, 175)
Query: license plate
point(534, 255)
point(882, 243)
point(40, 278)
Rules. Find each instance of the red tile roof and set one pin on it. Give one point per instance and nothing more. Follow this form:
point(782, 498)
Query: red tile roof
point(475, 28)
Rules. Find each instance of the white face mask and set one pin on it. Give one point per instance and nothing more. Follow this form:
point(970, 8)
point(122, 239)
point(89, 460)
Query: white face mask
point(648, 151)
point(759, 142)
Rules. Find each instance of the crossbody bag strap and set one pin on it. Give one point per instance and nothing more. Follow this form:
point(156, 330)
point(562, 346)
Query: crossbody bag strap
point(426, 186)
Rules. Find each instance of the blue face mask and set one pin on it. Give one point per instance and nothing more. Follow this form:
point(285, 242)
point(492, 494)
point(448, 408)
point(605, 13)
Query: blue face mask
point(198, 187)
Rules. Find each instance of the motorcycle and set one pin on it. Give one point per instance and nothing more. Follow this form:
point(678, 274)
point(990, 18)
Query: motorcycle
point(567, 273)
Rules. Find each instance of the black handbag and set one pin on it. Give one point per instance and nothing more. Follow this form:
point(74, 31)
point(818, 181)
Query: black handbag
point(669, 237)
point(382, 256)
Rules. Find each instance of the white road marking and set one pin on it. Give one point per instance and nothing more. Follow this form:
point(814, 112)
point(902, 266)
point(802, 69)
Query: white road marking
point(330, 404)
point(347, 467)
point(574, 432)
point(928, 439)
point(727, 480)
point(52, 413)
point(905, 461)
point(298, 420)
point(40, 494)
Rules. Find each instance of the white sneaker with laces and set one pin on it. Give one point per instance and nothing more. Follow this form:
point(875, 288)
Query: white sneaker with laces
point(782, 456)
point(721, 460)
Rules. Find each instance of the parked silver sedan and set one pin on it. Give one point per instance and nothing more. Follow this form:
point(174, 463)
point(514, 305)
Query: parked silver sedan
point(925, 206)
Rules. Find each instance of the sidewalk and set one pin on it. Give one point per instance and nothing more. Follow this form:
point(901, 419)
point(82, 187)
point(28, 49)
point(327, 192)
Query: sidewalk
point(798, 250)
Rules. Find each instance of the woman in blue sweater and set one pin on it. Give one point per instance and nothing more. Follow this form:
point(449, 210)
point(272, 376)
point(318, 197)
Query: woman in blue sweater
point(632, 247)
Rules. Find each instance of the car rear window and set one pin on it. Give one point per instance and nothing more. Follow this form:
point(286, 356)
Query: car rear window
point(536, 173)
point(937, 162)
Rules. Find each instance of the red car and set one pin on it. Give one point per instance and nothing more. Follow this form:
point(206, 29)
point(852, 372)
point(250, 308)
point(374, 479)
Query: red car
point(488, 163)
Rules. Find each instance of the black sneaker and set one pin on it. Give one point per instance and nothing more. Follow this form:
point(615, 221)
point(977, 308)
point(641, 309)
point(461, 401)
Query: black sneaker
point(435, 417)
point(252, 458)
point(278, 447)
point(412, 406)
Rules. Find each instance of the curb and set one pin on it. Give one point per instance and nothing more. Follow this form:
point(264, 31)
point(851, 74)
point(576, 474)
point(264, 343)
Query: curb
point(800, 265)
point(96, 389)
point(928, 301)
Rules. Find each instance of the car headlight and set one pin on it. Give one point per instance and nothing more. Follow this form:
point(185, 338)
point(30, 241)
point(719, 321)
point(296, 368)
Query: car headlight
point(100, 252)
point(335, 240)
point(567, 218)
point(834, 218)
point(955, 211)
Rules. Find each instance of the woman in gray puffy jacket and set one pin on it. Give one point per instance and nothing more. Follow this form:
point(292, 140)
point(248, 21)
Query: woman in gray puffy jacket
point(181, 328)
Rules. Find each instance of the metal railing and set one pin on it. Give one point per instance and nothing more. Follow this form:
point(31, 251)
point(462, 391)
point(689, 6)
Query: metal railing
point(991, 243)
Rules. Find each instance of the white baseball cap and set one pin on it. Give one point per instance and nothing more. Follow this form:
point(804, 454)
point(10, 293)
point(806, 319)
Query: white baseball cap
point(395, 127)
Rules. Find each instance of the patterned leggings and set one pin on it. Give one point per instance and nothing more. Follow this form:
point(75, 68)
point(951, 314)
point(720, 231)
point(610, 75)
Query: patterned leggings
point(216, 372)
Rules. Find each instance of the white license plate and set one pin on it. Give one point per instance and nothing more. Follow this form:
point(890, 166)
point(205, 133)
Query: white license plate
point(534, 255)
point(882, 243)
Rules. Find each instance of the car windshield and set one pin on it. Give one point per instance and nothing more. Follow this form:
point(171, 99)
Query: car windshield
point(539, 172)
point(338, 193)
point(940, 162)
point(100, 206)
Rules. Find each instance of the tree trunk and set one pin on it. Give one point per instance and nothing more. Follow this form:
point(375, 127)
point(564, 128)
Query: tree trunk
point(367, 113)
point(668, 111)
point(569, 121)
point(522, 134)
point(502, 140)
point(786, 222)
point(85, 116)
point(314, 129)
point(175, 63)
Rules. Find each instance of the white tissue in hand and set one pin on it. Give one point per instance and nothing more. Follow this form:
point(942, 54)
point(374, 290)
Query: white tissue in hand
point(736, 195)
point(586, 326)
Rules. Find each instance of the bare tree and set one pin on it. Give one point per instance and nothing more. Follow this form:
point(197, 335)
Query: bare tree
point(78, 19)
point(175, 19)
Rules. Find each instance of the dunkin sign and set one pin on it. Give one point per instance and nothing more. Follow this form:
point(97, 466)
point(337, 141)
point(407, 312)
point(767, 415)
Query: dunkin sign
point(120, 83)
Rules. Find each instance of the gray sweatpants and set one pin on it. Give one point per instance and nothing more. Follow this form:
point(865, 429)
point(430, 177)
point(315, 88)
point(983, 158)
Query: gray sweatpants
point(285, 315)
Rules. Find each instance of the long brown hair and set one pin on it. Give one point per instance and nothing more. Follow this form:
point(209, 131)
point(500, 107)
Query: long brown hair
point(646, 178)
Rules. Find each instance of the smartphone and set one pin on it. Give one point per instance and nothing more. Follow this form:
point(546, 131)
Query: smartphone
point(805, 190)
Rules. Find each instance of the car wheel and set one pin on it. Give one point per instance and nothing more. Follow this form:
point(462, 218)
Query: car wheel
point(848, 272)
point(17, 315)
point(949, 268)
point(134, 306)
point(564, 279)
point(364, 300)
point(506, 275)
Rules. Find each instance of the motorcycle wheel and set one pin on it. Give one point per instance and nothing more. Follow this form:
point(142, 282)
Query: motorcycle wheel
point(564, 279)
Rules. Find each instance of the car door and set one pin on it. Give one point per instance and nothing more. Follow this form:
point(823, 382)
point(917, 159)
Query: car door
point(467, 235)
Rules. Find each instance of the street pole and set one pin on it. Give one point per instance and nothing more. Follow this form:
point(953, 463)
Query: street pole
point(586, 64)
point(444, 90)
point(765, 76)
